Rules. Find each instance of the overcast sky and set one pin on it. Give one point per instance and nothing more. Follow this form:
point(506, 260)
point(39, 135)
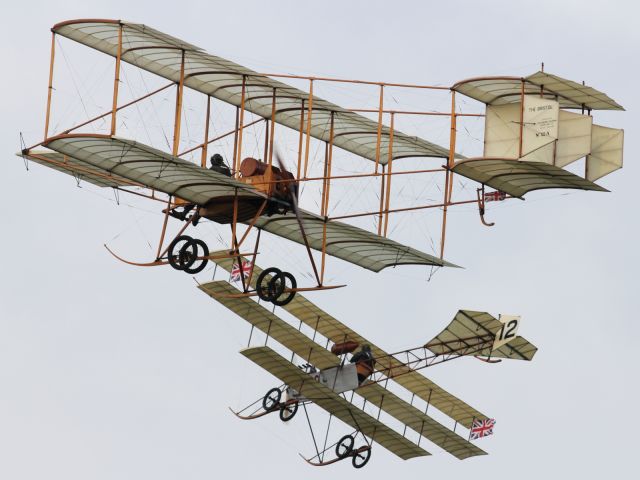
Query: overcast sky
point(113, 372)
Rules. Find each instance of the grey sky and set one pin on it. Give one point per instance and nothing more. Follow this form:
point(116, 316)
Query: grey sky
point(112, 372)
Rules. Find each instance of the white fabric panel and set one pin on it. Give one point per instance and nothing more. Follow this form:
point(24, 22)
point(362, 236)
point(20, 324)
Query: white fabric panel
point(574, 138)
point(544, 123)
point(543, 154)
point(573, 142)
point(502, 131)
point(508, 331)
point(540, 129)
point(606, 152)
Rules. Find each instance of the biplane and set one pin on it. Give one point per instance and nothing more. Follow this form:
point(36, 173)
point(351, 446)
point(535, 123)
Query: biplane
point(532, 132)
point(324, 376)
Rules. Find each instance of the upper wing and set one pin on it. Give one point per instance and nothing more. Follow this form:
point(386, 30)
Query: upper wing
point(333, 403)
point(148, 166)
point(505, 90)
point(269, 323)
point(161, 54)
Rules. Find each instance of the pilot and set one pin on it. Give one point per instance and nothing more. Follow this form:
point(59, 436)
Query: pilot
point(364, 363)
point(218, 165)
point(186, 209)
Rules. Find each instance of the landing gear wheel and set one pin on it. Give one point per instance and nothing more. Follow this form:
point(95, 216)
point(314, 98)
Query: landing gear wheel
point(359, 460)
point(263, 288)
point(288, 411)
point(280, 284)
point(188, 254)
point(344, 446)
point(205, 252)
point(175, 250)
point(271, 399)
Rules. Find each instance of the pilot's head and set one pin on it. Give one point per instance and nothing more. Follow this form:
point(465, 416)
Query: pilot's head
point(216, 159)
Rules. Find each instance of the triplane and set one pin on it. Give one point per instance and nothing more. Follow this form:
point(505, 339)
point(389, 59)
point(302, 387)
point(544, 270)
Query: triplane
point(532, 132)
point(331, 375)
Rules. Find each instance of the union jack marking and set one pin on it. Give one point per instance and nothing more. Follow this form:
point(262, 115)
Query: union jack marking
point(482, 428)
point(496, 196)
point(236, 273)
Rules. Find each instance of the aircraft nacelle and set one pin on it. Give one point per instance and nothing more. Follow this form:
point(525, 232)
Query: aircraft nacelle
point(340, 379)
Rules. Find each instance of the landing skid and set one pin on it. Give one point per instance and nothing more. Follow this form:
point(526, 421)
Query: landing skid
point(359, 458)
point(251, 417)
point(159, 262)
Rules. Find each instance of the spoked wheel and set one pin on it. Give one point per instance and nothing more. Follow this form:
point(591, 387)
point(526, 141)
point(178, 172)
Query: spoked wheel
point(271, 399)
point(344, 446)
point(196, 267)
point(263, 288)
point(361, 458)
point(288, 411)
point(282, 282)
point(175, 248)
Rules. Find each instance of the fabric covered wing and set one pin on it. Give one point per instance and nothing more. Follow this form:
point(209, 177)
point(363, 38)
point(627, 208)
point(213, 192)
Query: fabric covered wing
point(150, 167)
point(418, 421)
point(517, 177)
point(270, 324)
point(348, 242)
point(506, 90)
point(81, 171)
point(161, 54)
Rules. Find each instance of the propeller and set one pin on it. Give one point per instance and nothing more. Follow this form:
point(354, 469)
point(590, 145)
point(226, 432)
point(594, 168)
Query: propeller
point(293, 194)
point(293, 197)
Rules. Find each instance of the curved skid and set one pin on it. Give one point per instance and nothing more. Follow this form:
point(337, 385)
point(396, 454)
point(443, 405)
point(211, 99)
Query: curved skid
point(137, 264)
point(277, 408)
point(484, 222)
point(321, 464)
point(480, 195)
point(252, 417)
point(489, 360)
point(157, 263)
